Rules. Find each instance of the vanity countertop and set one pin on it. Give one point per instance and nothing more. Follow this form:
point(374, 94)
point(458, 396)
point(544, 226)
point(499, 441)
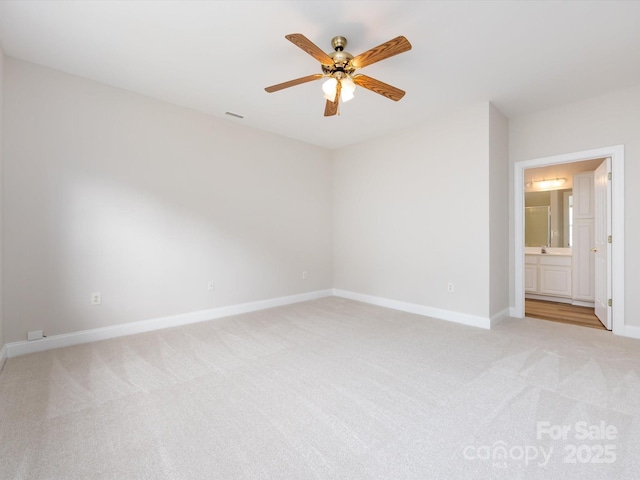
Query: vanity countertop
point(550, 251)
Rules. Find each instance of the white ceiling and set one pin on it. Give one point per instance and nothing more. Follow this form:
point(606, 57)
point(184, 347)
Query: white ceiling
point(217, 56)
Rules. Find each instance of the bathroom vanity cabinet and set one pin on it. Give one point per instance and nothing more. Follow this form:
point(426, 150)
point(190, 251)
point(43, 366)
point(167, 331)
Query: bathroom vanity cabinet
point(548, 274)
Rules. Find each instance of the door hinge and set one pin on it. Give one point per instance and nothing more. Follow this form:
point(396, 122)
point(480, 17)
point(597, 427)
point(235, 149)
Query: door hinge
point(610, 303)
point(609, 239)
point(609, 175)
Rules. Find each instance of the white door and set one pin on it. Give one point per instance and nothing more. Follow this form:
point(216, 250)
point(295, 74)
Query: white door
point(602, 247)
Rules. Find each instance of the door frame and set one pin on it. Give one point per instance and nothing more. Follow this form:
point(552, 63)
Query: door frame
point(616, 153)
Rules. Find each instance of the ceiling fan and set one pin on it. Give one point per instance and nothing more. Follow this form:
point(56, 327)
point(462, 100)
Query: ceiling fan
point(339, 68)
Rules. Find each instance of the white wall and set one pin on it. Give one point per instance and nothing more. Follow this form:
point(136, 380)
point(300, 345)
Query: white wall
point(106, 190)
point(602, 121)
point(498, 211)
point(110, 191)
point(1, 197)
point(411, 213)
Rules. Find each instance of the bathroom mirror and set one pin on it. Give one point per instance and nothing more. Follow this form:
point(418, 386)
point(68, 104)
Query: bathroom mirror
point(537, 226)
point(548, 218)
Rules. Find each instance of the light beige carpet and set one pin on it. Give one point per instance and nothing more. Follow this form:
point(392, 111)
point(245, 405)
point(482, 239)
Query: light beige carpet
point(328, 389)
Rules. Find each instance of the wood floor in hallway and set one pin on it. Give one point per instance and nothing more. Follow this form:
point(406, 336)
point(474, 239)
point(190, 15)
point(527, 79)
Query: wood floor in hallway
point(563, 313)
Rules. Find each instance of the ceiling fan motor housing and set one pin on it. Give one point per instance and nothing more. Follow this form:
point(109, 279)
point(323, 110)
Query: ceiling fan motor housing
point(341, 59)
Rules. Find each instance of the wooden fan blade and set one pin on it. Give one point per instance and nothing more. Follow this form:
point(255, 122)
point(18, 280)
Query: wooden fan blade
point(389, 49)
point(311, 48)
point(291, 83)
point(379, 87)
point(331, 108)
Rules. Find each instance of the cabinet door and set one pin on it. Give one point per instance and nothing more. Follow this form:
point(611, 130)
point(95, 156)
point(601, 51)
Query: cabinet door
point(583, 203)
point(531, 278)
point(555, 280)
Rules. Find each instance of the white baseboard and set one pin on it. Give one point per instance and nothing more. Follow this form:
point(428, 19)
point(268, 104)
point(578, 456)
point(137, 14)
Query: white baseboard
point(631, 331)
point(3, 356)
point(75, 338)
point(580, 303)
point(549, 298)
point(457, 317)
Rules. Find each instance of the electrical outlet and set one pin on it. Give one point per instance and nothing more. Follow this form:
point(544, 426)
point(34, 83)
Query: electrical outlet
point(35, 335)
point(305, 275)
point(211, 285)
point(450, 287)
point(96, 298)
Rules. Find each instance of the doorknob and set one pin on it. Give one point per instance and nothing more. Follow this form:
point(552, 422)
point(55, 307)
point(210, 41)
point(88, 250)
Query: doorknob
point(594, 250)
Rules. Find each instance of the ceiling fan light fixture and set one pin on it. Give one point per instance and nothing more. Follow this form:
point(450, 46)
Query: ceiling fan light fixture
point(329, 89)
point(346, 92)
point(348, 87)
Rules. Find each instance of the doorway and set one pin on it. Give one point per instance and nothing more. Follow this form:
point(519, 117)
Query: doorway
point(615, 249)
point(560, 286)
